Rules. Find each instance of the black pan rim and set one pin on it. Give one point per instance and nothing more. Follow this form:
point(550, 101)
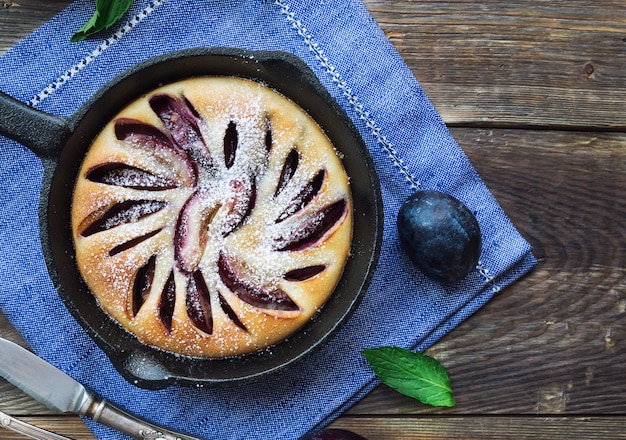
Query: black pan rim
point(158, 368)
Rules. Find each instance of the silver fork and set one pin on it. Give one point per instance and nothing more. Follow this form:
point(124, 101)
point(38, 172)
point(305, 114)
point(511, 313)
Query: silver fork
point(28, 430)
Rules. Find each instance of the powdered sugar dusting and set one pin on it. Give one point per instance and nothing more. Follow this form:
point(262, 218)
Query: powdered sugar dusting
point(207, 206)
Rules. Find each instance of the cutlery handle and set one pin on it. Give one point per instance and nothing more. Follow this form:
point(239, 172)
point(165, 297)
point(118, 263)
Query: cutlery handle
point(108, 414)
point(28, 430)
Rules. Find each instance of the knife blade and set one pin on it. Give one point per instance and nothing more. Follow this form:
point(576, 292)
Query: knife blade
point(62, 393)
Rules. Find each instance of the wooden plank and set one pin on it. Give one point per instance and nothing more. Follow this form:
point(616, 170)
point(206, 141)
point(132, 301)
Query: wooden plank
point(493, 63)
point(418, 428)
point(18, 18)
point(555, 64)
point(479, 428)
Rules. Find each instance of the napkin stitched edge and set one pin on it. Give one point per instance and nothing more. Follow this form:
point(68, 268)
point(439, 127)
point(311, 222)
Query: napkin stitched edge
point(76, 68)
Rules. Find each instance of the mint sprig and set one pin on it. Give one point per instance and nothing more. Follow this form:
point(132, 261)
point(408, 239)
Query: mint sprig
point(411, 373)
point(107, 13)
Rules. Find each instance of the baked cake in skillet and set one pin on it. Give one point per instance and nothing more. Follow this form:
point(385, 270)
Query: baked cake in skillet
point(212, 217)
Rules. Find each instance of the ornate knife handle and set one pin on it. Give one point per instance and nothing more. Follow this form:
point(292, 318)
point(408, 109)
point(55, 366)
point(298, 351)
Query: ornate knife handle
point(28, 430)
point(108, 414)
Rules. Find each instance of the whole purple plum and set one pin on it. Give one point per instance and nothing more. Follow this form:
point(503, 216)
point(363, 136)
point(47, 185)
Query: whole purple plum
point(440, 234)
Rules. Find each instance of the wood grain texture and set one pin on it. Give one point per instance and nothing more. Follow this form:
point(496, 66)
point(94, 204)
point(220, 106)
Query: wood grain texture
point(555, 64)
point(418, 428)
point(517, 63)
point(480, 427)
point(534, 93)
point(18, 18)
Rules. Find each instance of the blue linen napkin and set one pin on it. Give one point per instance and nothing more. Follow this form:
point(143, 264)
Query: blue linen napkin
point(411, 148)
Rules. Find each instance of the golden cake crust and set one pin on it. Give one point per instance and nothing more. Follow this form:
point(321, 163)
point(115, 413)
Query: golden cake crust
point(212, 217)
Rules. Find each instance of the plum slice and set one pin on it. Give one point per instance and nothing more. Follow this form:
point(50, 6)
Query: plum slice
point(167, 303)
point(333, 434)
point(198, 303)
point(304, 196)
point(231, 141)
point(313, 229)
point(289, 169)
point(239, 205)
point(134, 129)
point(120, 213)
point(133, 242)
point(251, 293)
point(151, 139)
point(304, 273)
point(268, 134)
point(142, 285)
point(226, 308)
point(182, 121)
point(121, 174)
point(191, 231)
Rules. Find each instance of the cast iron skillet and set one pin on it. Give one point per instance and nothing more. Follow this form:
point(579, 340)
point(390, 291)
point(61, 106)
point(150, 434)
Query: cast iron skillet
point(62, 143)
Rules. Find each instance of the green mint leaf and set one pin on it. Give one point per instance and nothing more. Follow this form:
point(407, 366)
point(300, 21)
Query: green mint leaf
point(413, 374)
point(107, 13)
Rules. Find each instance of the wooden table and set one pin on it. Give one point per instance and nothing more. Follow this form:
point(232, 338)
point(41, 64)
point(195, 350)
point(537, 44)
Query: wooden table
point(535, 94)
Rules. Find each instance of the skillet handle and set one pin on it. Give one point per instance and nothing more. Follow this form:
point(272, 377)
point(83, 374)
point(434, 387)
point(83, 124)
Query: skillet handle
point(44, 134)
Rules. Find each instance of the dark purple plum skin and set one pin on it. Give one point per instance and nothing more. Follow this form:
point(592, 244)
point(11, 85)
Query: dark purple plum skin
point(440, 234)
point(333, 434)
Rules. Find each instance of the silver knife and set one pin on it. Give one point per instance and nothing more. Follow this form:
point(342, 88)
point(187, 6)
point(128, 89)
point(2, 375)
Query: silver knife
point(60, 392)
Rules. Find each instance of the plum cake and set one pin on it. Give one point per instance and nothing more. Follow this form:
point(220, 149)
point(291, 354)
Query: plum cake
point(212, 217)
